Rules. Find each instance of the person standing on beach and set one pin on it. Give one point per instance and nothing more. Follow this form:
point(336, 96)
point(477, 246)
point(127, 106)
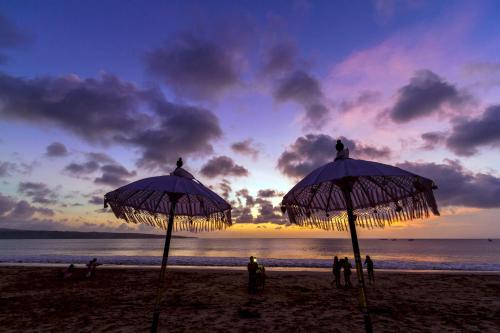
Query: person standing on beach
point(252, 275)
point(347, 273)
point(369, 267)
point(336, 271)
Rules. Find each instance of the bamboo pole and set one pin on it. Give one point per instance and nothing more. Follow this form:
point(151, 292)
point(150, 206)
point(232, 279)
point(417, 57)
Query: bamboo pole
point(357, 257)
point(161, 282)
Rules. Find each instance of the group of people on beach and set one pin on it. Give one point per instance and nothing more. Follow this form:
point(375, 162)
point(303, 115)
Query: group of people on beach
point(339, 264)
point(70, 270)
point(256, 275)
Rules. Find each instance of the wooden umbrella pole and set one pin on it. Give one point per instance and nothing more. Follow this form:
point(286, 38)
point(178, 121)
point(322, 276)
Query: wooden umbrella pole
point(161, 282)
point(357, 257)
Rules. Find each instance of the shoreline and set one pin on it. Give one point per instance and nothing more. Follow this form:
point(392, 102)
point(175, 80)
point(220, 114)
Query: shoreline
point(243, 268)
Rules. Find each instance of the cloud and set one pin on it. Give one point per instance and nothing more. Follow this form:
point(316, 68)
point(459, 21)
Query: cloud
point(279, 58)
point(269, 193)
point(23, 210)
point(225, 187)
point(299, 87)
point(6, 168)
point(314, 150)
point(56, 149)
point(180, 131)
point(38, 192)
point(107, 111)
point(6, 204)
point(223, 166)
point(365, 97)
point(195, 67)
point(432, 139)
point(458, 186)
point(467, 135)
point(10, 209)
point(114, 175)
point(245, 147)
point(249, 199)
point(79, 170)
point(11, 37)
point(95, 200)
point(426, 94)
point(266, 211)
point(94, 109)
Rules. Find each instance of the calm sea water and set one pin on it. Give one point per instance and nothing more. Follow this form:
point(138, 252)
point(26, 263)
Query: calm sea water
point(464, 254)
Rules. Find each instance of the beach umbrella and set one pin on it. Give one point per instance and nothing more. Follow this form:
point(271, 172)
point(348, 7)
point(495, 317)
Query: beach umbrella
point(347, 193)
point(187, 204)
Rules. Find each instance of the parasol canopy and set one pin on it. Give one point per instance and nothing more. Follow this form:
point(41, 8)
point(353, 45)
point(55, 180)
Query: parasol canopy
point(380, 194)
point(149, 201)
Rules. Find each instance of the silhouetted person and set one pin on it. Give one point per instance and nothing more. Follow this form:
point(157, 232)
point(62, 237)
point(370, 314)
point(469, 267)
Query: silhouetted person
point(347, 272)
point(67, 273)
point(91, 267)
point(337, 265)
point(252, 274)
point(369, 268)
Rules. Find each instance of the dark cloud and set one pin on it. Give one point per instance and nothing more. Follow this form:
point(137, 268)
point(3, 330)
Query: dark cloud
point(56, 149)
point(457, 186)
point(6, 168)
point(316, 116)
point(279, 58)
point(223, 166)
point(10, 209)
point(114, 175)
point(95, 200)
point(225, 187)
point(470, 134)
point(99, 157)
point(6, 204)
point(269, 193)
point(245, 147)
point(299, 87)
point(81, 169)
point(365, 97)
point(249, 199)
point(313, 150)
point(11, 37)
point(426, 94)
point(268, 213)
point(38, 192)
point(23, 210)
point(110, 111)
point(180, 131)
point(94, 109)
point(195, 67)
point(432, 139)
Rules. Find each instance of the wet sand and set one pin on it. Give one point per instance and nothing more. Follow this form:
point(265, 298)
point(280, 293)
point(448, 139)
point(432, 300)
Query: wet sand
point(32, 299)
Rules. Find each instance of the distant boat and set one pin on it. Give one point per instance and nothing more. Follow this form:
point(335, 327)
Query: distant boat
point(410, 240)
point(490, 240)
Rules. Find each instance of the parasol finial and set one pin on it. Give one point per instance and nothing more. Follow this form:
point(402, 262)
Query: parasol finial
point(341, 152)
point(339, 146)
point(179, 162)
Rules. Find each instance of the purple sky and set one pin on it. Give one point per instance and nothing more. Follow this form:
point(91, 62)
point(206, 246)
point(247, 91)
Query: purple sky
point(253, 96)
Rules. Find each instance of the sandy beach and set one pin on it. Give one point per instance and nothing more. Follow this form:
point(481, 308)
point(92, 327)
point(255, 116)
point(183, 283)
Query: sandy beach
point(216, 300)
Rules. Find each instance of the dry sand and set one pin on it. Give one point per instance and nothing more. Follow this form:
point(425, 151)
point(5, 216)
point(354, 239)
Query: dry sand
point(197, 300)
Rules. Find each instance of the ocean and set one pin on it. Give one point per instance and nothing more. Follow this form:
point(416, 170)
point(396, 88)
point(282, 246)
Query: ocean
point(402, 254)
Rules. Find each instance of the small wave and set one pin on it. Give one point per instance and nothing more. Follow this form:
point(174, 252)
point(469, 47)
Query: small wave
point(242, 261)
